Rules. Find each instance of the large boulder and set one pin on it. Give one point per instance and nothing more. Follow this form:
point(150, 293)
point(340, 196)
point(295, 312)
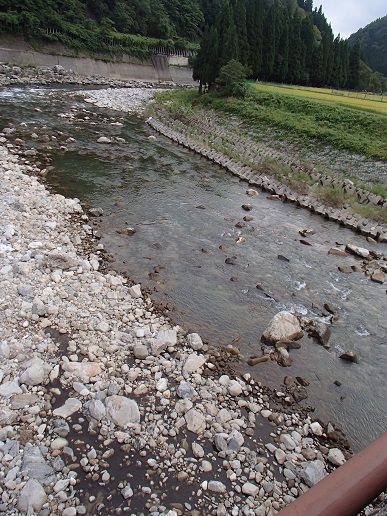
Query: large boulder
point(283, 326)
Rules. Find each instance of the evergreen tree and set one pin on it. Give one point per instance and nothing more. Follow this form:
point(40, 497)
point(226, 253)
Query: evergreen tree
point(228, 37)
point(281, 62)
point(295, 51)
point(354, 66)
point(239, 11)
point(269, 35)
point(254, 25)
point(206, 64)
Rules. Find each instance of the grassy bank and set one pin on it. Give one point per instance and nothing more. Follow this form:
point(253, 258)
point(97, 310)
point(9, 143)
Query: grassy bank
point(299, 122)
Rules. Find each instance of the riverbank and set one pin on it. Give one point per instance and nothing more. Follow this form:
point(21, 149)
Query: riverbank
point(106, 406)
point(220, 140)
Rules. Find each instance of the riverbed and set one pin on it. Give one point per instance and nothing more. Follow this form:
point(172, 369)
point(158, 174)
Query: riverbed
point(185, 212)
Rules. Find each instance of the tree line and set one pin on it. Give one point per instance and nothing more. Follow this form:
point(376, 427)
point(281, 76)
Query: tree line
point(286, 41)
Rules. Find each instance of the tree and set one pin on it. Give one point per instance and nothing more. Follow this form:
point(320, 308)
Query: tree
point(206, 64)
point(354, 66)
point(231, 80)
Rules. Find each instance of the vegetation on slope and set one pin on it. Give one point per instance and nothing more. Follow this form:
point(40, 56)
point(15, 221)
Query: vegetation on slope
point(373, 43)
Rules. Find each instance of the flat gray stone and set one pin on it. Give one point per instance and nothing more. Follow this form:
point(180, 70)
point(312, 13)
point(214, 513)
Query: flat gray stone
point(36, 466)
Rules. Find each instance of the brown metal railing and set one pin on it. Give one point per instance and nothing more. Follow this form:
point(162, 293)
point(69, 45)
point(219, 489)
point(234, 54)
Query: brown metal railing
point(349, 489)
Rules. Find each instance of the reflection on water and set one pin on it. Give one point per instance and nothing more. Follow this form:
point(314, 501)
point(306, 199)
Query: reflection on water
point(185, 211)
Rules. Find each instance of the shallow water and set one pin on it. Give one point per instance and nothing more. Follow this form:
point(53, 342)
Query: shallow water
point(184, 210)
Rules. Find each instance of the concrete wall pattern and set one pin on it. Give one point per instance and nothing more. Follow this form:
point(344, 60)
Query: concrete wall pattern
point(159, 68)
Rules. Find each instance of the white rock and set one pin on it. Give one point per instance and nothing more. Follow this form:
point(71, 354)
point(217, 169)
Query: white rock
point(194, 341)
point(71, 406)
point(283, 326)
point(194, 362)
point(288, 442)
point(122, 411)
point(34, 375)
point(197, 450)
point(316, 428)
point(104, 139)
point(97, 409)
point(250, 489)
point(313, 473)
point(223, 416)
point(234, 388)
point(336, 457)
point(32, 496)
point(127, 492)
point(206, 466)
point(280, 456)
point(216, 487)
point(162, 385)
point(10, 388)
point(195, 420)
point(83, 370)
point(135, 291)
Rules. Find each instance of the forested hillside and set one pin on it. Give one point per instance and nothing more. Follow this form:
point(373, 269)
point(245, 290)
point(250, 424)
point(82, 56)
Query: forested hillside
point(373, 42)
point(99, 24)
point(276, 40)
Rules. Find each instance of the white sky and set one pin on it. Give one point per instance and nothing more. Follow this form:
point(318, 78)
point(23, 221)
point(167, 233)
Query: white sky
point(348, 16)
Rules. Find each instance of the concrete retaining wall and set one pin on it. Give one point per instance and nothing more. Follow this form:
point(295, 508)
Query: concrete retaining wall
point(162, 68)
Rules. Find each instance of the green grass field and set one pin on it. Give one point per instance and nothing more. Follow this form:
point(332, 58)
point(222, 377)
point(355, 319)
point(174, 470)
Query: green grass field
point(356, 100)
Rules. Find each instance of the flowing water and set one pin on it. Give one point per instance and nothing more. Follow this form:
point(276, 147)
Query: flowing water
point(185, 210)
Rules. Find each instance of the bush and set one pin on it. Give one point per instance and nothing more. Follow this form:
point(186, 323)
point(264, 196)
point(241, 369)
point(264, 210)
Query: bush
point(232, 80)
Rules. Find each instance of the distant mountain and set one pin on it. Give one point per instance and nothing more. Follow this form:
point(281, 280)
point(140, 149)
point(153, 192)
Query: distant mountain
point(373, 41)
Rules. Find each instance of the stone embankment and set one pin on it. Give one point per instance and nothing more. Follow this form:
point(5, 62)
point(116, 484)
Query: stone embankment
point(178, 132)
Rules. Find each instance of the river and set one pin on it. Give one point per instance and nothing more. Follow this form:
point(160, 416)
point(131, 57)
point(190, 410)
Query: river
point(184, 210)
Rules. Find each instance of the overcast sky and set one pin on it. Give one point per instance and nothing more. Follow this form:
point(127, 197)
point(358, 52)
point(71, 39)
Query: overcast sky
point(348, 16)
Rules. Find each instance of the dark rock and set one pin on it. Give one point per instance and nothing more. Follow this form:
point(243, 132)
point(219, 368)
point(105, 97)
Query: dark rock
point(258, 360)
point(126, 231)
point(247, 207)
point(300, 394)
point(337, 252)
point(320, 331)
point(350, 356)
point(231, 261)
point(336, 382)
point(305, 242)
point(240, 225)
point(307, 232)
point(329, 308)
point(96, 212)
point(302, 381)
point(246, 218)
point(345, 270)
point(283, 258)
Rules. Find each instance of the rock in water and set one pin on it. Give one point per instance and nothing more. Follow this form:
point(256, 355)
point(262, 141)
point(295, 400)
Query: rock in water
point(283, 326)
point(350, 356)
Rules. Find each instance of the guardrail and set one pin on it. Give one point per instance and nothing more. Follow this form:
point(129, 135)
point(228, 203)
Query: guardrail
point(349, 489)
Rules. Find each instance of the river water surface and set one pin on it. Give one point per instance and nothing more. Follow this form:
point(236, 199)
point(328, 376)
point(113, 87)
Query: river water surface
point(185, 210)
